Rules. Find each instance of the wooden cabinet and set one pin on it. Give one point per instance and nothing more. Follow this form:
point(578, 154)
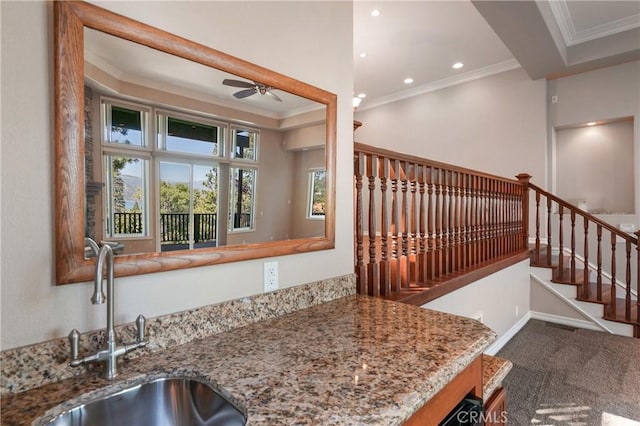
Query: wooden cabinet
point(468, 381)
point(495, 410)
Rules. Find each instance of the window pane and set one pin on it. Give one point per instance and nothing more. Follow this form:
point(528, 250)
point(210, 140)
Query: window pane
point(242, 198)
point(126, 126)
point(126, 195)
point(318, 194)
point(205, 205)
point(245, 143)
point(175, 204)
point(191, 137)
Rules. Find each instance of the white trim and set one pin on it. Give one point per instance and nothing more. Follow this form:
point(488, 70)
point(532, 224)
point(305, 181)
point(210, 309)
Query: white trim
point(500, 342)
point(487, 71)
point(571, 37)
point(597, 321)
point(571, 322)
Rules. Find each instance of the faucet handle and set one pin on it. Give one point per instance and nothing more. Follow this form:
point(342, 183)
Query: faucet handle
point(140, 323)
point(74, 342)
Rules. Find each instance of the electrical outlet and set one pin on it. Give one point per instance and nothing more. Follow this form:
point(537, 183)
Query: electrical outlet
point(270, 276)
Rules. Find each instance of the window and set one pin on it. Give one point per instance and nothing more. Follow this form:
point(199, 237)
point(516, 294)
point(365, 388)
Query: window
point(317, 193)
point(126, 169)
point(242, 199)
point(126, 196)
point(178, 209)
point(189, 137)
point(188, 205)
point(124, 126)
point(245, 144)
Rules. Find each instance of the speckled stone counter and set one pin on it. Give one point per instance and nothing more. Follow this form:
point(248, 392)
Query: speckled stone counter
point(494, 370)
point(352, 361)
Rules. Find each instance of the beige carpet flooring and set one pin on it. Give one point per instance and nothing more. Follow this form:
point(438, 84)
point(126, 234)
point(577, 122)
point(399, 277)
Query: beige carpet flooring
point(563, 376)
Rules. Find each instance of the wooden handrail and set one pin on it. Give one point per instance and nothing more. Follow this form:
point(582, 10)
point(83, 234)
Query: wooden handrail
point(382, 152)
point(592, 218)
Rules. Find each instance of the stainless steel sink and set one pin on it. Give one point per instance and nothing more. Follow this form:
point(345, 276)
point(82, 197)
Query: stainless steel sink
point(168, 401)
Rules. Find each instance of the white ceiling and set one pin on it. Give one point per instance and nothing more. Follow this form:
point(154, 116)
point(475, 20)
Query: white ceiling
point(423, 39)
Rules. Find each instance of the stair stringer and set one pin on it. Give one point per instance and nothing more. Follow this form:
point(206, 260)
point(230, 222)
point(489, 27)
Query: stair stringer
point(567, 293)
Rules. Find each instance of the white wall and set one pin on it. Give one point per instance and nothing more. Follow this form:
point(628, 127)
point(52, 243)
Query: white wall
point(33, 308)
point(495, 124)
point(603, 94)
point(595, 164)
point(502, 299)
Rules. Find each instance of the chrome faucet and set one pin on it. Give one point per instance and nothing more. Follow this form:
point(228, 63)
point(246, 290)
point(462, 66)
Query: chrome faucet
point(112, 351)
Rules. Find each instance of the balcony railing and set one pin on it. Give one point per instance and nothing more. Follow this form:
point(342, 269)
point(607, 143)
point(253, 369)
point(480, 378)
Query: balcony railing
point(174, 227)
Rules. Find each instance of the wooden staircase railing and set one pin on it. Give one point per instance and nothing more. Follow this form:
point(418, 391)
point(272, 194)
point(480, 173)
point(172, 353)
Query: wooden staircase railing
point(601, 247)
point(421, 224)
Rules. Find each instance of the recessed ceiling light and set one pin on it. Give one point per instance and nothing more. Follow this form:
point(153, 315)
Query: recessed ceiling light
point(458, 65)
point(591, 123)
point(362, 95)
point(363, 54)
point(375, 12)
point(408, 80)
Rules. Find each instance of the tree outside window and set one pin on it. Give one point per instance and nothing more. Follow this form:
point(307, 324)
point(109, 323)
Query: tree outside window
point(317, 193)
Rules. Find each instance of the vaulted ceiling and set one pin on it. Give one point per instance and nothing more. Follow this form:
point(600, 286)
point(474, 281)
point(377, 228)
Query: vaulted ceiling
point(422, 40)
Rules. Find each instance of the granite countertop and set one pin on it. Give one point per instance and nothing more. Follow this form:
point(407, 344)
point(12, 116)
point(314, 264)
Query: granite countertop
point(494, 370)
point(352, 361)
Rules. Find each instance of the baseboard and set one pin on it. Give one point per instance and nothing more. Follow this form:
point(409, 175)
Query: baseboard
point(556, 319)
point(504, 339)
point(571, 322)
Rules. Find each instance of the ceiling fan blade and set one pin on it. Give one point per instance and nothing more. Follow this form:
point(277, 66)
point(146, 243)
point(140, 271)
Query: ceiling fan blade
point(245, 93)
point(274, 96)
point(237, 83)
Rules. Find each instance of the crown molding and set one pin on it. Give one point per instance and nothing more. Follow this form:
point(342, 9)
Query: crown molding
point(562, 15)
point(444, 83)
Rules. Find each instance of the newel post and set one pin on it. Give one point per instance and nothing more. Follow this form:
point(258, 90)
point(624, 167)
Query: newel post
point(524, 179)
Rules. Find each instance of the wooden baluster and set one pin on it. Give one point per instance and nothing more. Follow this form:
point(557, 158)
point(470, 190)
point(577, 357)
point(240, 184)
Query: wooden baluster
point(549, 227)
point(459, 224)
point(627, 301)
point(422, 257)
point(476, 220)
point(537, 249)
point(485, 219)
point(404, 219)
point(445, 222)
point(373, 267)
point(395, 226)
point(561, 240)
point(361, 269)
point(501, 222)
point(573, 246)
point(430, 219)
point(451, 222)
point(385, 270)
point(464, 221)
point(599, 260)
point(438, 224)
point(585, 279)
point(413, 253)
point(613, 306)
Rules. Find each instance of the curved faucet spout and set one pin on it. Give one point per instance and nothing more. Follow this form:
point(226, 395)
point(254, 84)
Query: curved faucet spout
point(104, 255)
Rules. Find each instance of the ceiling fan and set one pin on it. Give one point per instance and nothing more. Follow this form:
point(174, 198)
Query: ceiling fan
point(250, 89)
